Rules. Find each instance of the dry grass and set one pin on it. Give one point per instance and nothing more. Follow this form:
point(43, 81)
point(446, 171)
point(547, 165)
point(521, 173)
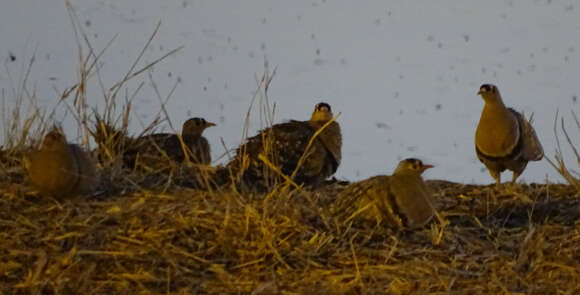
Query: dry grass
point(148, 233)
point(572, 176)
point(521, 239)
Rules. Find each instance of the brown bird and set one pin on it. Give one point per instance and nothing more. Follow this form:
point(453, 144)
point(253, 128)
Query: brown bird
point(285, 144)
point(61, 169)
point(152, 148)
point(504, 138)
point(401, 200)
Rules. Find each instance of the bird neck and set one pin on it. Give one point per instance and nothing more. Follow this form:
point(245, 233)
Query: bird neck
point(496, 113)
point(191, 133)
point(406, 175)
point(495, 102)
point(404, 170)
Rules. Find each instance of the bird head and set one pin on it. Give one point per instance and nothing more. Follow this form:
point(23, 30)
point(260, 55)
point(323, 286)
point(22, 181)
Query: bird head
point(195, 126)
point(489, 93)
point(322, 112)
point(412, 165)
point(53, 140)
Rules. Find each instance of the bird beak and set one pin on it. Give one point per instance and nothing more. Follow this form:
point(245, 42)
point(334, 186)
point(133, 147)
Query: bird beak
point(426, 166)
point(210, 124)
point(479, 92)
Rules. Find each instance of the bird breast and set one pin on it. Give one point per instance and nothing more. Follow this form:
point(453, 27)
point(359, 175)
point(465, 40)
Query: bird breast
point(498, 132)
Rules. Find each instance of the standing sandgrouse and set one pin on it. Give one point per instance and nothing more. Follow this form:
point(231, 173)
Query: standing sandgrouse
point(151, 148)
point(504, 138)
point(61, 169)
point(401, 200)
point(284, 144)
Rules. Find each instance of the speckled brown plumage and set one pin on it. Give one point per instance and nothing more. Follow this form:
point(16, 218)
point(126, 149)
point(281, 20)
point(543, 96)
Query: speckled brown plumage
point(400, 201)
point(284, 144)
point(504, 138)
point(155, 147)
point(61, 169)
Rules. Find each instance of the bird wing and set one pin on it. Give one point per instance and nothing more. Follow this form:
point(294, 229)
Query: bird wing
point(331, 138)
point(410, 199)
point(87, 178)
point(531, 149)
point(199, 149)
point(155, 142)
point(284, 143)
point(154, 146)
point(365, 199)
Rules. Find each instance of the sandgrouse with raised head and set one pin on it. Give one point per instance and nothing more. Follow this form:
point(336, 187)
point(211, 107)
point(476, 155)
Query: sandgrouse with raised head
point(61, 169)
point(285, 144)
point(151, 148)
point(401, 200)
point(504, 138)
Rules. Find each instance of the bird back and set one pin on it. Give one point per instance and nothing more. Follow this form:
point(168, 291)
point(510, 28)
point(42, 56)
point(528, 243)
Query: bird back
point(67, 170)
point(370, 200)
point(155, 147)
point(284, 145)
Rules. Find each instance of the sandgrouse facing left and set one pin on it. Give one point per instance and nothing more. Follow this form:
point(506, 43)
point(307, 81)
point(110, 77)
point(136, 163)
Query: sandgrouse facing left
point(152, 148)
point(504, 138)
point(401, 201)
point(285, 143)
point(61, 169)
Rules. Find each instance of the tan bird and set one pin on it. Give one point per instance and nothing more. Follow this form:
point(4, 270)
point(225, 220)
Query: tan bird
point(401, 200)
point(504, 138)
point(61, 169)
point(284, 144)
point(152, 148)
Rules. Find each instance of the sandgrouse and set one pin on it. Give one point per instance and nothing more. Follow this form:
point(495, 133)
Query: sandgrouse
point(152, 148)
point(401, 201)
point(284, 144)
point(504, 138)
point(61, 169)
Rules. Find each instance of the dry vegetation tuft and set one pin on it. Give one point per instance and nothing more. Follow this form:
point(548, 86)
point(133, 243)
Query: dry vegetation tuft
point(521, 239)
point(151, 233)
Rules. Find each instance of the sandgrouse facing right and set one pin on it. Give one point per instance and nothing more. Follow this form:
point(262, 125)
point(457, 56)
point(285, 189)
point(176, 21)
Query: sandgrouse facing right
point(401, 201)
point(152, 148)
point(504, 138)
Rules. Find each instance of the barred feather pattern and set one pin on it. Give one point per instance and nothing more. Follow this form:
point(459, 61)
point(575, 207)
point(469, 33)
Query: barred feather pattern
point(369, 200)
point(283, 145)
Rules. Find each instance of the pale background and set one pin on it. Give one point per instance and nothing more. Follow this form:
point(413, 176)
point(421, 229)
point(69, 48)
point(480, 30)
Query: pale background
point(404, 74)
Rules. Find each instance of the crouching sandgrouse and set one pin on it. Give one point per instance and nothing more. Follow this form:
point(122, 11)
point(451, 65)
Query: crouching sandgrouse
point(293, 150)
point(400, 201)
